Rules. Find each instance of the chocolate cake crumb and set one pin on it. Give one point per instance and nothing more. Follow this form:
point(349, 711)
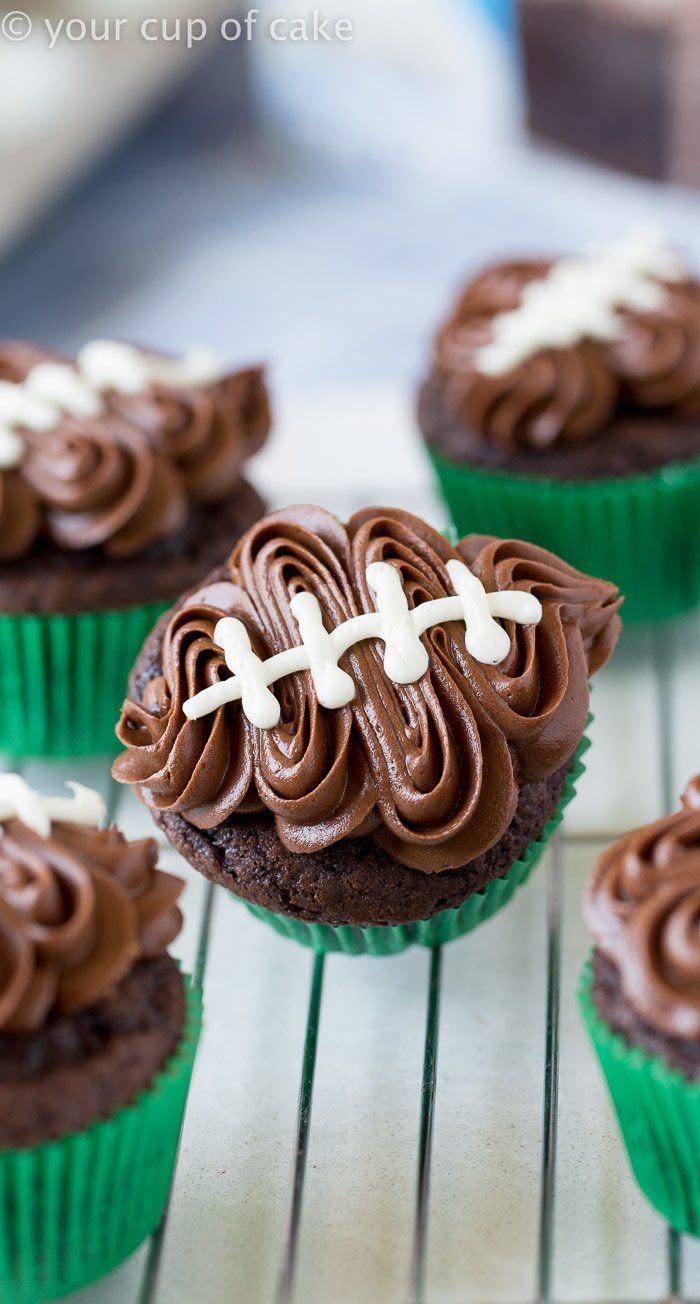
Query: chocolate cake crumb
point(51, 580)
point(84, 1066)
point(352, 882)
point(614, 1008)
point(634, 443)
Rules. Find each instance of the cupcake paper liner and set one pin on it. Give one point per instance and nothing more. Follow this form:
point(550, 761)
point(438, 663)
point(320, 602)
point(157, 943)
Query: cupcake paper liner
point(72, 1209)
point(63, 678)
point(445, 926)
point(640, 531)
point(658, 1111)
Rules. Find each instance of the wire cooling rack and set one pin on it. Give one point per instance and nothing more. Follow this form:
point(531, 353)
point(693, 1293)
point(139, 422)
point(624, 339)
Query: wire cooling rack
point(151, 1277)
point(429, 1128)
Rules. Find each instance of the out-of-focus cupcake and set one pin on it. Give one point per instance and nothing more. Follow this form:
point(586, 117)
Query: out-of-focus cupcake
point(563, 406)
point(98, 1032)
point(401, 780)
point(120, 483)
point(641, 1001)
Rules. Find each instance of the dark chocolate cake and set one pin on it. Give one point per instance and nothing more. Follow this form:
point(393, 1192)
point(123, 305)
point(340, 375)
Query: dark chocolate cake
point(642, 908)
point(91, 1005)
point(400, 765)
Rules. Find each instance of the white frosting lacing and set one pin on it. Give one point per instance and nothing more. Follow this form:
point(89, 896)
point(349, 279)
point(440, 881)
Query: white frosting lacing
point(19, 801)
point(52, 390)
point(399, 627)
point(577, 300)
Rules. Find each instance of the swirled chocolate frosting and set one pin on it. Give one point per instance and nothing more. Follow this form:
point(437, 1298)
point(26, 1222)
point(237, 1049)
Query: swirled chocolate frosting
point(126, 478)
point(566, 394)
point(643, 908)
point(77, 910)
point(431, 769)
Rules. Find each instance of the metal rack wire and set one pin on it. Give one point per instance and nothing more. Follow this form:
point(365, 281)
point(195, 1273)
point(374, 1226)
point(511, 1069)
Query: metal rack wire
point(428, 1087)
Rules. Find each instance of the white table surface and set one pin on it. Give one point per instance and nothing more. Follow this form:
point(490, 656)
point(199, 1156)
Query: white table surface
point(225, 1232)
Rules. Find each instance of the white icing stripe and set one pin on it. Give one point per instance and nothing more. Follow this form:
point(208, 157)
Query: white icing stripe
point(405, 657)
point(19, 801)
point(63, 388)
point(578, 299)
point(108, 364)
point(51, 390)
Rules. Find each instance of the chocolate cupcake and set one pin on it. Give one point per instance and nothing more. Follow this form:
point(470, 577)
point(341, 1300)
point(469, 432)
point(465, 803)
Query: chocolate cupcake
point(120, 484)
point(641, 1001)
point(403, 777)
point(97, 1039)
point(563, 406)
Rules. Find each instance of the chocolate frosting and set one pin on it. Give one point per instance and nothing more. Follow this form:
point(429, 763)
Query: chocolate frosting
point(643, 908)
point(431, 770)
point(561, 395)
point(77, 910)
point(125, 479)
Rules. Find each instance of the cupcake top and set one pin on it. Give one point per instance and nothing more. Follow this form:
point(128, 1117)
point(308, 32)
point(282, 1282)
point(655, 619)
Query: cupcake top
point(541, 352)
point(643, 908)
point(113, 450)
point(79, 905)
point(367, 679)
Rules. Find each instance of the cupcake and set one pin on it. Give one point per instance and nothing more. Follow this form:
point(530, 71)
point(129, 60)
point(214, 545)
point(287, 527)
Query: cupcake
point(563, 406)
point(120, 484)
point(640, 997)
point(367, 733)
point(98, 1032)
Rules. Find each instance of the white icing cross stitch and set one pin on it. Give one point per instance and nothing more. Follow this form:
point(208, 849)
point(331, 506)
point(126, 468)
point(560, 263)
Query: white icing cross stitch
point(52, 390)
point(19, 801)
point(577, 300)
point(399, 628)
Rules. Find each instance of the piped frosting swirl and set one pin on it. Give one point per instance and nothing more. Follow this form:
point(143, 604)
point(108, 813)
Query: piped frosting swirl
point(79, 906)
point(643, 908)
point(430, 769)
point(537, 353)
point(113, 451)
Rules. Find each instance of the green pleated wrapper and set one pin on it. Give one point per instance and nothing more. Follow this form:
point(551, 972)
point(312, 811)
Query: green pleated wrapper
point(659, 1115)
point(63, 678)
point(389, 939)
point(71, 1210)
point(639, 531)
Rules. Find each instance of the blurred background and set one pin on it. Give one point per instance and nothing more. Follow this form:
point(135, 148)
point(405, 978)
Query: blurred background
point(314, 204)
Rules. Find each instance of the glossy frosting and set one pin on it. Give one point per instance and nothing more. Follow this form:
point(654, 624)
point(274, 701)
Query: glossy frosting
point(77, 909)
point(395, 624)
point(430, 769)
point(568, 393)
point(643, 908)
point(126, 477)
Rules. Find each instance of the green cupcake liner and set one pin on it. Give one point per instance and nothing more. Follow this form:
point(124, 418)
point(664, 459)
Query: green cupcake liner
point(658, 1111)
point(639, 531)
point(389, 939)
point(63, 678)
point(72, 1209)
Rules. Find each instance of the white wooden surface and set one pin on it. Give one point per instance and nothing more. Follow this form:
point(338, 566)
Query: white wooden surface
point(226, 1226)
